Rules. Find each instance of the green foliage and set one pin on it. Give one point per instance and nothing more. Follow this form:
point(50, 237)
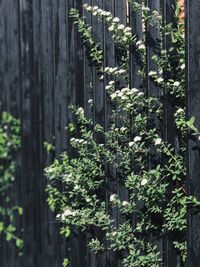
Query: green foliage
point(9, 144)
point(148, 168)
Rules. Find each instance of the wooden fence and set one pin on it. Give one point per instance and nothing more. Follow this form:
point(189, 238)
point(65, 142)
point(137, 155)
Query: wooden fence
point(43, 69)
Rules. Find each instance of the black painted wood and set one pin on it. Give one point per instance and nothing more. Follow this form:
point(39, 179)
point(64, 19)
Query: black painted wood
point(193, 98)
point(44, 69)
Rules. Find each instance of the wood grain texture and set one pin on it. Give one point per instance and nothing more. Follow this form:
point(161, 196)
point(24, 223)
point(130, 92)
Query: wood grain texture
point(43, 70)
point(193, 98)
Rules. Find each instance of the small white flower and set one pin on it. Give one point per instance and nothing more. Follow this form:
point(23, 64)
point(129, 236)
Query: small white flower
point(121, 71)
point(140, 94)
point(67, 213)
point(95, 8)
point(176, 84)
point(128, 34)
point(120, 94)
point(158, 141)
point(155, 13)
point(124, 203)
point(80, 141)
point(137, 139)
point(121, 27)
point(116, 20)
point(101, 77)
point(123, 129)
point(80, 111)
point(180, 110)
point(139, 43)
point(58, 216)
point(112, 83)
point(160, 80)
point(142, 47)
point(124, 39)
point(108, 14)
point(134, 90)
point(152, 73)
point(114, 233)
point(124, 97)
point(124, 90)
point(127, 29)
point(109, 19)
point(108, 87)
point(111, 28)
point(72, 139)
point(144, 181)
point(112, 197)
point(113, 96)
point(183, 66)
point(90, 101)
point(163, 52)
point(130, 144)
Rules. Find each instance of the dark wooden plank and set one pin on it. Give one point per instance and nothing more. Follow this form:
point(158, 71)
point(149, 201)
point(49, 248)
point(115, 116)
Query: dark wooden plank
point(10, 100)
point(135, 61)
point(169, 128)
point(111, 180)
point(99, 106)
point(193, 98)
point(29, 145)
point(52, 13)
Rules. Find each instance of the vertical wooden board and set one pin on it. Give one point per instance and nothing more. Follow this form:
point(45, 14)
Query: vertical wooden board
point(120, 11)
point(99, 106)
point(193, 100)
point(153, 48)
point(153, 44)
point(169, 128)
point(111, 183)
point(10, 101)
point(89, 112)
point(75, 96)
point(53, 246)
point(135, 60)
point(26, 28)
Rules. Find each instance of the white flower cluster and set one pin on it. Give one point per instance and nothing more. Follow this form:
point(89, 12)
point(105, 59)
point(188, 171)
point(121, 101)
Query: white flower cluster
point(80, 111)
point(144, 182)
point(114, 71)
point(96, 11)
point(111, 86)
point(125, 203)
point(67, 213)
point(152, 74)
point(158, 141)
point(141, 46)
point(114, 23)
point(90, 101)
point(125, 93)
point(179, 111)
point(113, 197)
point(176, 84)
point(135, 140)
point(78, 141)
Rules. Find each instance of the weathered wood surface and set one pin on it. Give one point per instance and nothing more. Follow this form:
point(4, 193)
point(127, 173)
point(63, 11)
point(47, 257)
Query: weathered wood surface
point(193, 100)
point(44, 69)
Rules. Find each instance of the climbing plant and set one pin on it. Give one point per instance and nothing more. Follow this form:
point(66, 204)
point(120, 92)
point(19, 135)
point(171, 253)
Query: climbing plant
point(9, 145)
point(150, 169)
